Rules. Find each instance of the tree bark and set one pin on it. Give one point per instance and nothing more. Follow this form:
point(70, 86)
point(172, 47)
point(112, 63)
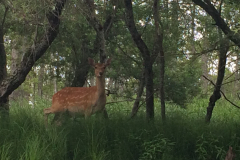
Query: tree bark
point(236, 82)
point(81, 64)
point(101, 31)
point(139, 95)
point(4, 106)
point(224, 46)
point(159, 50)
point(40, 80)
point(212, 11)
point(3, 61)
point(146, 58)
point(10, 83)
point(204, 65)
point(193, 29)
point(82, 67)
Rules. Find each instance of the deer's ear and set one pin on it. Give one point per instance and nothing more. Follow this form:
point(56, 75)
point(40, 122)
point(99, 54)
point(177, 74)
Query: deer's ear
point(91, 62)
point(108, 62)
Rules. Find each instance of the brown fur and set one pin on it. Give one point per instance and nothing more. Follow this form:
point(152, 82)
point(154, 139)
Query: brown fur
point(80, 100)
point(230, 155)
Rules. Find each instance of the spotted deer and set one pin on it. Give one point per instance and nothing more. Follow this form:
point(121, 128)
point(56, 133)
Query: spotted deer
point(80, 100)
point(230, 154)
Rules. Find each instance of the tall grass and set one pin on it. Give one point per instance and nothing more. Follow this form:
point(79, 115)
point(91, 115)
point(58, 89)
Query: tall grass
point(184, 136)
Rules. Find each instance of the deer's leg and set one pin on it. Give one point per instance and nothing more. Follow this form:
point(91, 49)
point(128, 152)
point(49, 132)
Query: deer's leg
point(59, 118)
point(55, 118)
point(46, 112)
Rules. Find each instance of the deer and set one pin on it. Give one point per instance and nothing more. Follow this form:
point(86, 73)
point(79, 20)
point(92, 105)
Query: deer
point(230, 154)
point(84, 101)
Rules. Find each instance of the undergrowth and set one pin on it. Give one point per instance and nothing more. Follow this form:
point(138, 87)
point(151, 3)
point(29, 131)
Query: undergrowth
point(184, 135)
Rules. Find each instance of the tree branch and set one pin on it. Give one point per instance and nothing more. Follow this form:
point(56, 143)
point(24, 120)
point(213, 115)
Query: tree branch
point(221, 92)
point(12, 82)
point(212, 11)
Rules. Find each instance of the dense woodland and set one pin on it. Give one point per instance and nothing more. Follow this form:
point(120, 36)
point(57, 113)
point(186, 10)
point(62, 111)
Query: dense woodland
point(168, 56)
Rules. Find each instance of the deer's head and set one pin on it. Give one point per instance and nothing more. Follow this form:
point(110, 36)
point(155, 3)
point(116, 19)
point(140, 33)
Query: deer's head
point(99, 67)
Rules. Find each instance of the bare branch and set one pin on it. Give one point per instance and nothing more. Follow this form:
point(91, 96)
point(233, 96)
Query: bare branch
point(232, 74)
point(222, 92)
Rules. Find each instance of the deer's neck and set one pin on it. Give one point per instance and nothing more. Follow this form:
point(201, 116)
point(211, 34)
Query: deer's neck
point(100, 83)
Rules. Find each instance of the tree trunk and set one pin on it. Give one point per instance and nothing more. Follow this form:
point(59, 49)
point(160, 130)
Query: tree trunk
point(55, 84)
point(212, 11)
point(146, 58)
point(40, 80)
point(193, 29)
point(139, 95)
point(204, 65)
point(12, 82)
point(236, 78)
point(82, 67)
point(4, 106)
point(224, 46)
point(159, 50)
point(101, 32)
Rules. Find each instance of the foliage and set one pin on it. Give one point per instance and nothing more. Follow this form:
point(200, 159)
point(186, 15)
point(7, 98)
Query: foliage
point(183, 136)
point(185, 27)
point(156, 148)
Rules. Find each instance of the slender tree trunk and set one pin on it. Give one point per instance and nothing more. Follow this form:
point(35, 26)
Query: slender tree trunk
point(139, 95)
point(101, 32)
point(236, 82)
point(110, 84)
point(40, 80)
point(159, 50)
point(224, 46)
point(55, 84)
point(193, 29)
point(81, 63)
point(82, 67)
point(204, 61)
point(34, 95)
point(146, 58)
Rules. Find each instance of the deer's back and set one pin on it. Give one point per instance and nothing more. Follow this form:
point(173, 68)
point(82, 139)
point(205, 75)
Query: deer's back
point(74, 99)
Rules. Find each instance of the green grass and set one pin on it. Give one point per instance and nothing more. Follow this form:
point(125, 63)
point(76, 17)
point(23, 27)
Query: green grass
point(184, 136)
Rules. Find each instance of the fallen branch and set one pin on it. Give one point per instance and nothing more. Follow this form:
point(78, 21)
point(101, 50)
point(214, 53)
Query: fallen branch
point(221, 92)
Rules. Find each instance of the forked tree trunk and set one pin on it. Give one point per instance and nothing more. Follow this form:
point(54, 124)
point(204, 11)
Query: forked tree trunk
point(10, 83)
point(224, 46)
point(146, 58)
point(101, 32)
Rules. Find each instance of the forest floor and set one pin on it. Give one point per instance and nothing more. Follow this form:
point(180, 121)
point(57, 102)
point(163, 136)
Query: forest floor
point(184, 135)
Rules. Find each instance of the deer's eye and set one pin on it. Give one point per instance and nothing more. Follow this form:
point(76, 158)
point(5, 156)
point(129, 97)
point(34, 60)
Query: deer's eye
point(95, 67)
